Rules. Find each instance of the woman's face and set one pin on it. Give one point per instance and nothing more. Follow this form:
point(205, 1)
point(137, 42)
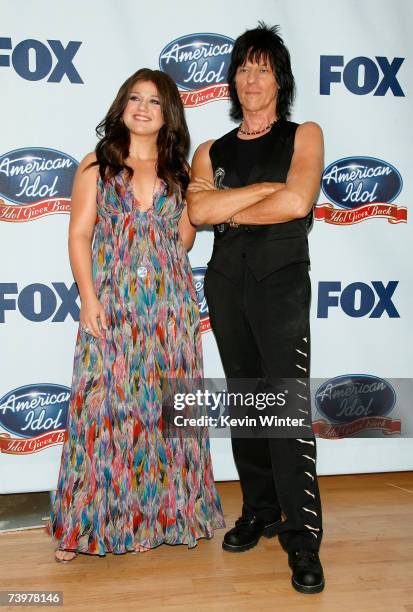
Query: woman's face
point(143, 114)
point(256, 86)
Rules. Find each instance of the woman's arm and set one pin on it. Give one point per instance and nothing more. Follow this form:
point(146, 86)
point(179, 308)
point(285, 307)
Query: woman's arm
point(209, 205)
point(298, 195)
point(186, 230)
point(81, 227)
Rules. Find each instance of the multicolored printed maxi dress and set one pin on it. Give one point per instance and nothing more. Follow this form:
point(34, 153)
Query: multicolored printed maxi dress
point(122, 482)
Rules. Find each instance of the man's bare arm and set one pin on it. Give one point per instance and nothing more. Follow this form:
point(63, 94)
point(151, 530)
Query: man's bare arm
point(298, 195)
point(285, 202)
point(209, 205)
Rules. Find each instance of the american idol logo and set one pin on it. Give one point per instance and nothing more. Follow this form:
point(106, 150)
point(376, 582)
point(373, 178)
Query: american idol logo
point(354, 403)
point(199, 275)
point(198, 63)
point(35, 182)
point(33, 417)
point(362, 187)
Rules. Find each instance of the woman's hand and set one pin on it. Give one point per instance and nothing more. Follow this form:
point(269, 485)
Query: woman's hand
point(91, 315)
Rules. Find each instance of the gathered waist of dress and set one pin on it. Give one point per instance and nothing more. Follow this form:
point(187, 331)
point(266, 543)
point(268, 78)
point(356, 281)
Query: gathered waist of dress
point(136, 218)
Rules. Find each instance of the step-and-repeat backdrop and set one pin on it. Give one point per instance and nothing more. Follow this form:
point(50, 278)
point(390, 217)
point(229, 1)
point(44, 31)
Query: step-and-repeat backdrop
point(61, 64)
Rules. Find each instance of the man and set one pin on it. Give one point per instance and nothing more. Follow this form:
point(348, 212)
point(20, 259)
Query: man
point(257, 186)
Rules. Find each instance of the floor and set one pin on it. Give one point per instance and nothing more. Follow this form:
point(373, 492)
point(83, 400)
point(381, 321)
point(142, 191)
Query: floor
point(367, 555)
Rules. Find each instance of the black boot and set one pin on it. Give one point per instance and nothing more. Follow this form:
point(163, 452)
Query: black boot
point(247, 532)
point(307, 571)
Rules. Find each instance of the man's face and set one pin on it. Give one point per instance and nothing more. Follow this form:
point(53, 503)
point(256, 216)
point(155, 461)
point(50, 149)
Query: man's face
point(256, 86)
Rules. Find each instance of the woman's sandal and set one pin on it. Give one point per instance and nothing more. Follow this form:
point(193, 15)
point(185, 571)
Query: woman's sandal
point(65, 552)
point(140, 549)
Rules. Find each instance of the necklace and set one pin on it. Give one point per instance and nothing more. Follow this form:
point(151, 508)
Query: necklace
point(153, 193)
point(137, 200)
point(241, 131)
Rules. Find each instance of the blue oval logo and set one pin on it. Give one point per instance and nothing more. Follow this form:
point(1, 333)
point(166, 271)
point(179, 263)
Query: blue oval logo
point(354, 181)
point(195, 61)
point(345, 399)
point(34, 409)
point(199, 275)
point(36, 174)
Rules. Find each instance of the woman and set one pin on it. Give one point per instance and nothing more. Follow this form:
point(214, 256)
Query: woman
point(123, 485)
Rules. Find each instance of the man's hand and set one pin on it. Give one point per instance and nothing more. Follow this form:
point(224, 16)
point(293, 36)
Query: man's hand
point(201, 184)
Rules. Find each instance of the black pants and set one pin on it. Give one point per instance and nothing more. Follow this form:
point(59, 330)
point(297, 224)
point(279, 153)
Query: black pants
point(262, 330)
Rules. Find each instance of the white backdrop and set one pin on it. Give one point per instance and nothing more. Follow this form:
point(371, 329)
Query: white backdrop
point(365, 115)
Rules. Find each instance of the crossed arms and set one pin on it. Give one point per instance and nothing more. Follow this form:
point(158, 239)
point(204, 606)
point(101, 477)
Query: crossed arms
point(260, 203)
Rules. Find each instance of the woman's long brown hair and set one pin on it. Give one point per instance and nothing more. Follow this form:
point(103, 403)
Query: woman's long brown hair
point(173, 137)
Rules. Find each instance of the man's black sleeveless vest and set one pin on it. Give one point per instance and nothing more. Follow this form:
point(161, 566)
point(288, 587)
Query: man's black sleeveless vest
point(265, 248)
